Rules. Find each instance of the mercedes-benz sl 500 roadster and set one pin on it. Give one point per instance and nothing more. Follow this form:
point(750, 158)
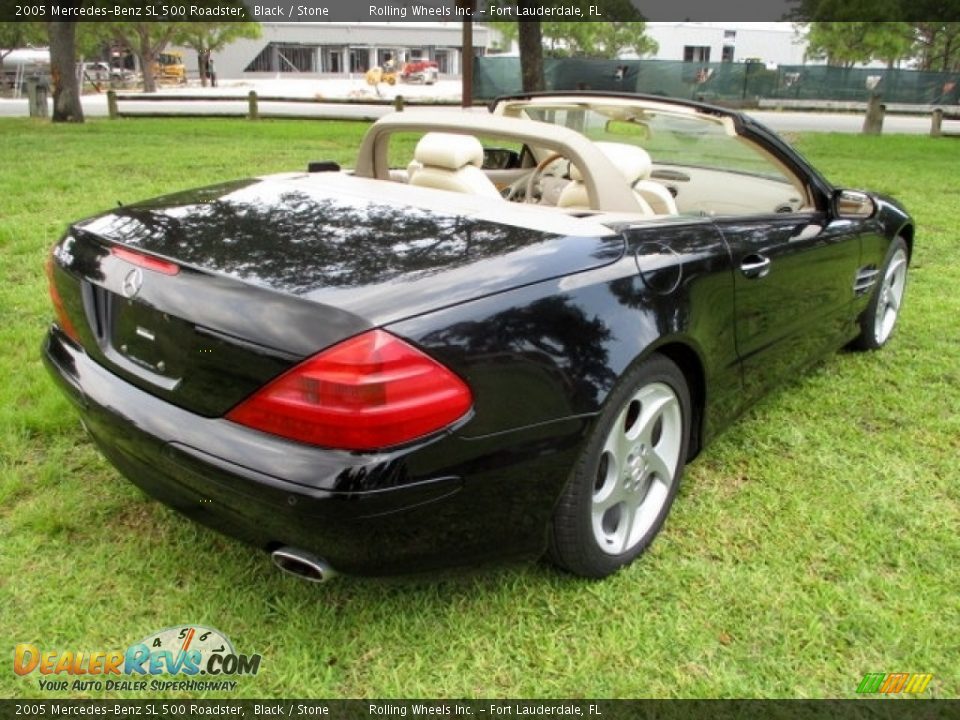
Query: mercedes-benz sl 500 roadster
point(500, 334)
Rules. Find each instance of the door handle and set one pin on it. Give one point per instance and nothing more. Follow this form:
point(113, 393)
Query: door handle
point(755, 266)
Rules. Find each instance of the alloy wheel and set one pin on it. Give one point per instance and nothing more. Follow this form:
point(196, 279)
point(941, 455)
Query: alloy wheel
point(636, 469)
point(891, 296)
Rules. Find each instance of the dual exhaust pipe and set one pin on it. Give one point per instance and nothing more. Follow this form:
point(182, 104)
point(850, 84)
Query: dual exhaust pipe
point(302, 564)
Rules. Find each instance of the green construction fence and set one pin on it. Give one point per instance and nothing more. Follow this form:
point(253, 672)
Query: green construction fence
point(722, 82)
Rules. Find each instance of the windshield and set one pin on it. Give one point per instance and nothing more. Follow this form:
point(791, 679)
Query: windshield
point(678, 138)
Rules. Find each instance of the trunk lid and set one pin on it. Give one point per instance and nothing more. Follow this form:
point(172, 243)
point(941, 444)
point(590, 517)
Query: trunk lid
point(204, 342)
point(270, 271)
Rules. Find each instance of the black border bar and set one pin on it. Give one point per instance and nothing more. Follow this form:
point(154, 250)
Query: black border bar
point(364, 11)
point(880, 709)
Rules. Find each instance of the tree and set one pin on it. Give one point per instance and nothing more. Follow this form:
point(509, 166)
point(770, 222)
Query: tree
point(847, 43)
point(930, 27)
point(598, 39)
point(938, 46)
point(63, 72)
point(146, 40)
point(623, 31)
point(92, 41)
point(934, 45)
point(210, 37)
point(531, 55)
point(615, 38)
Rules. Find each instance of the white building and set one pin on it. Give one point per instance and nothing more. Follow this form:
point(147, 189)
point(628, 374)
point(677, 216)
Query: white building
point(702, 42)
point(779, 43)
point(21, 64)
point(304, 49)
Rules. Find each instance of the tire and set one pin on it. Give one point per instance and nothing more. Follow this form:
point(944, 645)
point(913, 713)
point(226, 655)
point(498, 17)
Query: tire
point(880, 317)
point(622, 487)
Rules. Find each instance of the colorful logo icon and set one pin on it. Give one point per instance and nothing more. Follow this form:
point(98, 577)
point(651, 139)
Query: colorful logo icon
point(893, 683)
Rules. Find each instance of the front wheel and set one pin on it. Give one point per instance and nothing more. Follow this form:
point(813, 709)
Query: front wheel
point(880, 317)
point(622, 488)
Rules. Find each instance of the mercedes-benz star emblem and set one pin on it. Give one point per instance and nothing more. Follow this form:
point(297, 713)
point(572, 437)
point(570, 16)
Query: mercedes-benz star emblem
point(132, 283)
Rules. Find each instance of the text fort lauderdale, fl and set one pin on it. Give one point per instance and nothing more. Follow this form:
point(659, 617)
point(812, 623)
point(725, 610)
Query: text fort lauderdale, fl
point(502, 12)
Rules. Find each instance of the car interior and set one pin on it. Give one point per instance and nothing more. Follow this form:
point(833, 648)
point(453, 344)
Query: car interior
point(674, 162)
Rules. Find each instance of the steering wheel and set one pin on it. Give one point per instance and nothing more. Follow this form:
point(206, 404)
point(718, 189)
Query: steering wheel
point(537, 172)
point(511, 192)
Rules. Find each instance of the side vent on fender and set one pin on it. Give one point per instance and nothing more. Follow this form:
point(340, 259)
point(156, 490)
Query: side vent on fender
point(865, 280)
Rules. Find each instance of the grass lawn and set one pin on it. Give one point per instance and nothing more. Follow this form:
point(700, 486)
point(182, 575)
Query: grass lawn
point(814, 542)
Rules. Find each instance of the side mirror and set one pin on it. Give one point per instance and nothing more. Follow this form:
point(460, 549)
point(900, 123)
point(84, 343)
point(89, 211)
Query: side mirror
point(853, 205)
point(500, 159)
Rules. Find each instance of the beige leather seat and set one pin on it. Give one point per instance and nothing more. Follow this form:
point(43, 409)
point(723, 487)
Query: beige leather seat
point(447, 161)
point(635, 165)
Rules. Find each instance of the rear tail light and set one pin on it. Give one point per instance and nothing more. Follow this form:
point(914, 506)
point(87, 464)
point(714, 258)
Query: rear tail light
point(369, 392)
point(63, 320)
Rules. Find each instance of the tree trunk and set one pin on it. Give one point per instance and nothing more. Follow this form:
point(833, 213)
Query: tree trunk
point(63, 72)
point(146, 64)
point(530, 39)
point(147, 60)
point(203, 63)
point(466, 90)
point(873, 120)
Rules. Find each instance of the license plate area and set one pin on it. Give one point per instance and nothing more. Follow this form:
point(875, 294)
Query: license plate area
point(148, 339)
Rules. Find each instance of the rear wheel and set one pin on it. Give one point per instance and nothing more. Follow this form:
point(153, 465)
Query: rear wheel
point(880, 317)
point(623, 486)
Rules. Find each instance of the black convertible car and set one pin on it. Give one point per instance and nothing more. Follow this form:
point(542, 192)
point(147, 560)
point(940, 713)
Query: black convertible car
point(500, 334)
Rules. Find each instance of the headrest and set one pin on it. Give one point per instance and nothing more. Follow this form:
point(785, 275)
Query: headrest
point(633, 162)
point(449, 150)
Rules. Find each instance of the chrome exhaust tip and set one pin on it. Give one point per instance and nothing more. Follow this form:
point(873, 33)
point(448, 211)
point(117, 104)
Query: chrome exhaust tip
point(302, 564)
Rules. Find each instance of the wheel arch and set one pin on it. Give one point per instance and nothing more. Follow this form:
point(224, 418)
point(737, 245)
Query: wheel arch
point(906, 232)
point(685, 357)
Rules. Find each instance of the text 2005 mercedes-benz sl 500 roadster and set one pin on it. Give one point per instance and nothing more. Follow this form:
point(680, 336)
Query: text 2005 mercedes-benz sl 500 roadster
point(500, 334)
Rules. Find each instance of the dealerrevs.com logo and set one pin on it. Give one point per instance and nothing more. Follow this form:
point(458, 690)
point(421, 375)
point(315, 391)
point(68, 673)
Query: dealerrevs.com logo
point(185, 652)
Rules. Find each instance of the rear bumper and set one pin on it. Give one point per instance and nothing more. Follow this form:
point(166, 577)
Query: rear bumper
point(448, 502)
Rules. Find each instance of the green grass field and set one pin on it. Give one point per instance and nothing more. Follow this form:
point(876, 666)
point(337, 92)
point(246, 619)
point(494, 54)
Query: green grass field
point(817, 540)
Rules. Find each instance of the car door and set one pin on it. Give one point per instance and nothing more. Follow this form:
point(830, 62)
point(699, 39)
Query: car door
point(794, 263)
point(793, 289)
